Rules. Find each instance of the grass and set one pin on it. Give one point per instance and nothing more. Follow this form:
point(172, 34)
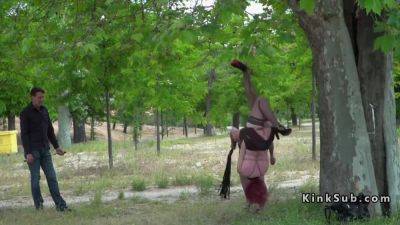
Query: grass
point(161, 180)
point(181, 179)
point(206, 210)
point(196, 161)
point(138, 184)
point(85, 166)
point(204, 183)
point(96, 201)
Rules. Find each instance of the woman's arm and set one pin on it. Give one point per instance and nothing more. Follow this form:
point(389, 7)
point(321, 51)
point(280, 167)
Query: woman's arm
point(271, 153)
point(242, 152)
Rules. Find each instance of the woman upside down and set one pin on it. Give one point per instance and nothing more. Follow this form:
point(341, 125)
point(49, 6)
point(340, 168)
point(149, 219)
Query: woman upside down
point(254, 141)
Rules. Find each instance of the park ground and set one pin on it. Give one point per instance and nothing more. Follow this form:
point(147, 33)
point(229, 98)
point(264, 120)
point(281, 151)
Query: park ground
point(194, 163)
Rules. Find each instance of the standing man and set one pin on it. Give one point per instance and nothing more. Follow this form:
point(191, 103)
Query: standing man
point(36, 132)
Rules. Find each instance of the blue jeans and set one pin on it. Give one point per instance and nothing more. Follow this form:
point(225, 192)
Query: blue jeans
point(43, 159)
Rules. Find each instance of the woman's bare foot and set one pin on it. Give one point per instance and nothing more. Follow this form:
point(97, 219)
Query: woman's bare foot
point(255, 208)
point(247, 206)
point(237, 64)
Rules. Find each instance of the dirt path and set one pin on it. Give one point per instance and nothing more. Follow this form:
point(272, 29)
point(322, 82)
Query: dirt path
point(154, 194)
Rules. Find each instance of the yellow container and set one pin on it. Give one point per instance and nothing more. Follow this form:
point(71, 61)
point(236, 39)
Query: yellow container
point(8, 142)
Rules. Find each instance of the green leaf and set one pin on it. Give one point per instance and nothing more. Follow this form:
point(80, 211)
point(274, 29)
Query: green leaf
point(375, 6)
point(308, 6)
point(137, 37)
point(2, 107)
point(389, 3)
point(385, 43)
point(90, 47)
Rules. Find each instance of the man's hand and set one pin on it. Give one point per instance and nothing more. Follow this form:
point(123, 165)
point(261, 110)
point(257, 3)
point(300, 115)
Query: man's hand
point(30, 159)
point(59, 151)
point(273, 160)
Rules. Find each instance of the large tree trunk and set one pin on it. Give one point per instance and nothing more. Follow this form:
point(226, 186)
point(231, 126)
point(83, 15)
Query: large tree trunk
point(314, 141)
point(374, 71)
point(79, 130)
point(110, 153)
point(346, 161)
point(11, 121)
point(64, 126)
point(208, 129)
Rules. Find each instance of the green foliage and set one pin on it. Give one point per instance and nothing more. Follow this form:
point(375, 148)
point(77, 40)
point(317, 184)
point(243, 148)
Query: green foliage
point(161, 180)
point(377, 6)
point(138, 184)
point(204, 183)
point(96, 201)
point(182, 180)
point(121, 195)
point(151, 55)
point(307, 5)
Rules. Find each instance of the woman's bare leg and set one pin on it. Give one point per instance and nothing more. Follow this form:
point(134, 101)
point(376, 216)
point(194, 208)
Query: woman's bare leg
point(266, 111)
point(251, 93)
point(245, 182)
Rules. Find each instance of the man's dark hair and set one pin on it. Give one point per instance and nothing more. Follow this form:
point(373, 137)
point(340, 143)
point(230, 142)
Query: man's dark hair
point(36, 90)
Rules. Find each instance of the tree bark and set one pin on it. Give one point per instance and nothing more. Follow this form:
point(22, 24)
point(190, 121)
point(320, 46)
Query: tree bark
point(299, 123)
point(92, 133)
point(11, 121)
point(374, 71)
point(209, 130)
point(79, 130)
point(162, 125)
point(185, 126)
point(125, 128)
point(64, 126)
point(236, 119)
point(293, 116)
point(158, 131)
point(136, 130)
point(4, 123)
point(135, 137)
point(314, 138)
point(346, 160)
point(110, 152)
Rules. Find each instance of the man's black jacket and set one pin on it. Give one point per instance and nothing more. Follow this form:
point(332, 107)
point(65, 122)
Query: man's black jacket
point(36, 129)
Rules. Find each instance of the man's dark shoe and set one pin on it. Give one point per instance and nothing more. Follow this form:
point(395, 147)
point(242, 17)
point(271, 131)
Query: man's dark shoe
point(63, 209)
point(39, 207)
